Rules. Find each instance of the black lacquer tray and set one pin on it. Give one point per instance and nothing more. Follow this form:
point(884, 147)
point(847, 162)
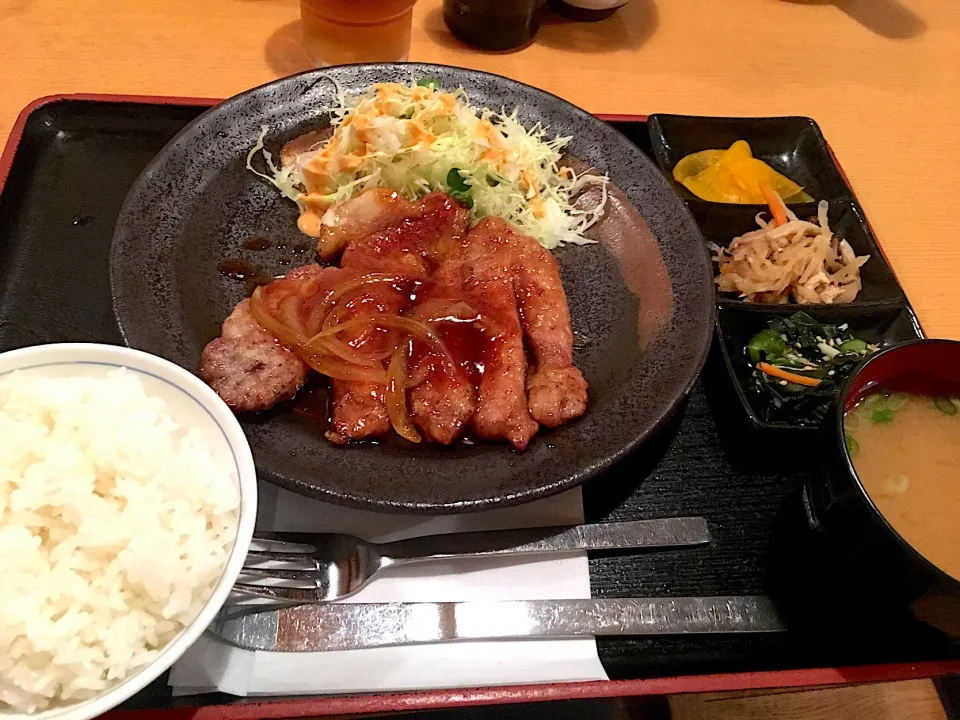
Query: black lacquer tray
point(67, 168)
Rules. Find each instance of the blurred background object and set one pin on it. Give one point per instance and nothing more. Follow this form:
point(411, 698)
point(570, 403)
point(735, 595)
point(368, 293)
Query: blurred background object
point(494, 24)
point(587, 10)
point(337, 32)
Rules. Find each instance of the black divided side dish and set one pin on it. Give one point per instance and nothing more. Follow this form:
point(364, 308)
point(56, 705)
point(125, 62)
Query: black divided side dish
point(795, 147)
point(72, 169)
point(881, 325)
point(720, 223)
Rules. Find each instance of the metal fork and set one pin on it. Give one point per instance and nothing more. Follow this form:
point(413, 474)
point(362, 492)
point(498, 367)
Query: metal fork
point(295, 568)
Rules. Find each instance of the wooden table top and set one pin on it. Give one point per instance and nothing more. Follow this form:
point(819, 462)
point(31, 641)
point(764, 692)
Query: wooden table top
point(881, 77)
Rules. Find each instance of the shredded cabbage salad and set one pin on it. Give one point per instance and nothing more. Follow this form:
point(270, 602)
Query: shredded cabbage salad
point(416, 138)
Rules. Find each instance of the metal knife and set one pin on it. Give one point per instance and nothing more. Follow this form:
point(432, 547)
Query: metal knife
point(350, 626)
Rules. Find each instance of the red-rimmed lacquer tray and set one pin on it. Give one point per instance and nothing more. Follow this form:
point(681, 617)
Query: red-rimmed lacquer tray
point(63, 176)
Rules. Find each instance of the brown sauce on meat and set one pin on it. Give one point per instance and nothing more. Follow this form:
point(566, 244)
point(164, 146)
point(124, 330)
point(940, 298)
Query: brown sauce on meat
point(257, 243)
point(467, 342)
point(476, 316)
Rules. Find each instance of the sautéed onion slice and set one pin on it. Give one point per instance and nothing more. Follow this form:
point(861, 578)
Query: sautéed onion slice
point(396, 396)
point(328, 353)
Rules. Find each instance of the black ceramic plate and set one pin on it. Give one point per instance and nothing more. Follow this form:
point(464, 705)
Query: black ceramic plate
point(641, 301)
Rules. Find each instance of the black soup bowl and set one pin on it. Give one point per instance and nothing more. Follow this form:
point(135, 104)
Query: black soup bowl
point(881, 569)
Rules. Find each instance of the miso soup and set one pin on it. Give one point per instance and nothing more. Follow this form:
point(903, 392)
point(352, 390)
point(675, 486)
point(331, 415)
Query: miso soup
point(905, 447)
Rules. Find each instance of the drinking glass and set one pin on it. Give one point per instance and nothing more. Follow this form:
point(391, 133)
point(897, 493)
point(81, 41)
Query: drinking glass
point(351, 31)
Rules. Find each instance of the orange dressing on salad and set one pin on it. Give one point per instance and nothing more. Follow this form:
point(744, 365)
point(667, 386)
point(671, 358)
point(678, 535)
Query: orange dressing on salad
point(310, 223)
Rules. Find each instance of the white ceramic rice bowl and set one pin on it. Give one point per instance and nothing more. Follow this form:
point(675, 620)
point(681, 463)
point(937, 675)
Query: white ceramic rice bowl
point(192, 404)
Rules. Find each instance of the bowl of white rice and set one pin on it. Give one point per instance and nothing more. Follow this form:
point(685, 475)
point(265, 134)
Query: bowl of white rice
point(127, 502)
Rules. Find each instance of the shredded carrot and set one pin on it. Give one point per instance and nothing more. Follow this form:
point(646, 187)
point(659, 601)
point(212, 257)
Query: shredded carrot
point(421, 135)
point(776, 372)
point(777, 207)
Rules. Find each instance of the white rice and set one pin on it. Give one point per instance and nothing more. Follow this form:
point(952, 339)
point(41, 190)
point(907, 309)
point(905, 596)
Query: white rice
point(115, 526)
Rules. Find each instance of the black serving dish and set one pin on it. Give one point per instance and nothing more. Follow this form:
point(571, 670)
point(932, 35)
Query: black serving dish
point(720, 223)
point(793, 146)
point(880, 565)
point(54, 287)
point(883, 325)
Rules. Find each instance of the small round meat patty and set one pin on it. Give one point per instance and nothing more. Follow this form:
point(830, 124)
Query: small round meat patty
point(247, 367)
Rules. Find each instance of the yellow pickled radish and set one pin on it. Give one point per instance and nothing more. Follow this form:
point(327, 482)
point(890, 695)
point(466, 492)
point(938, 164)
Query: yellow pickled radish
point(737, 152)
point(734, 176)
point(695, 163)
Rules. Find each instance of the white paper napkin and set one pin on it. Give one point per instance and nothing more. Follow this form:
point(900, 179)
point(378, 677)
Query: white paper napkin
point(212, 665)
